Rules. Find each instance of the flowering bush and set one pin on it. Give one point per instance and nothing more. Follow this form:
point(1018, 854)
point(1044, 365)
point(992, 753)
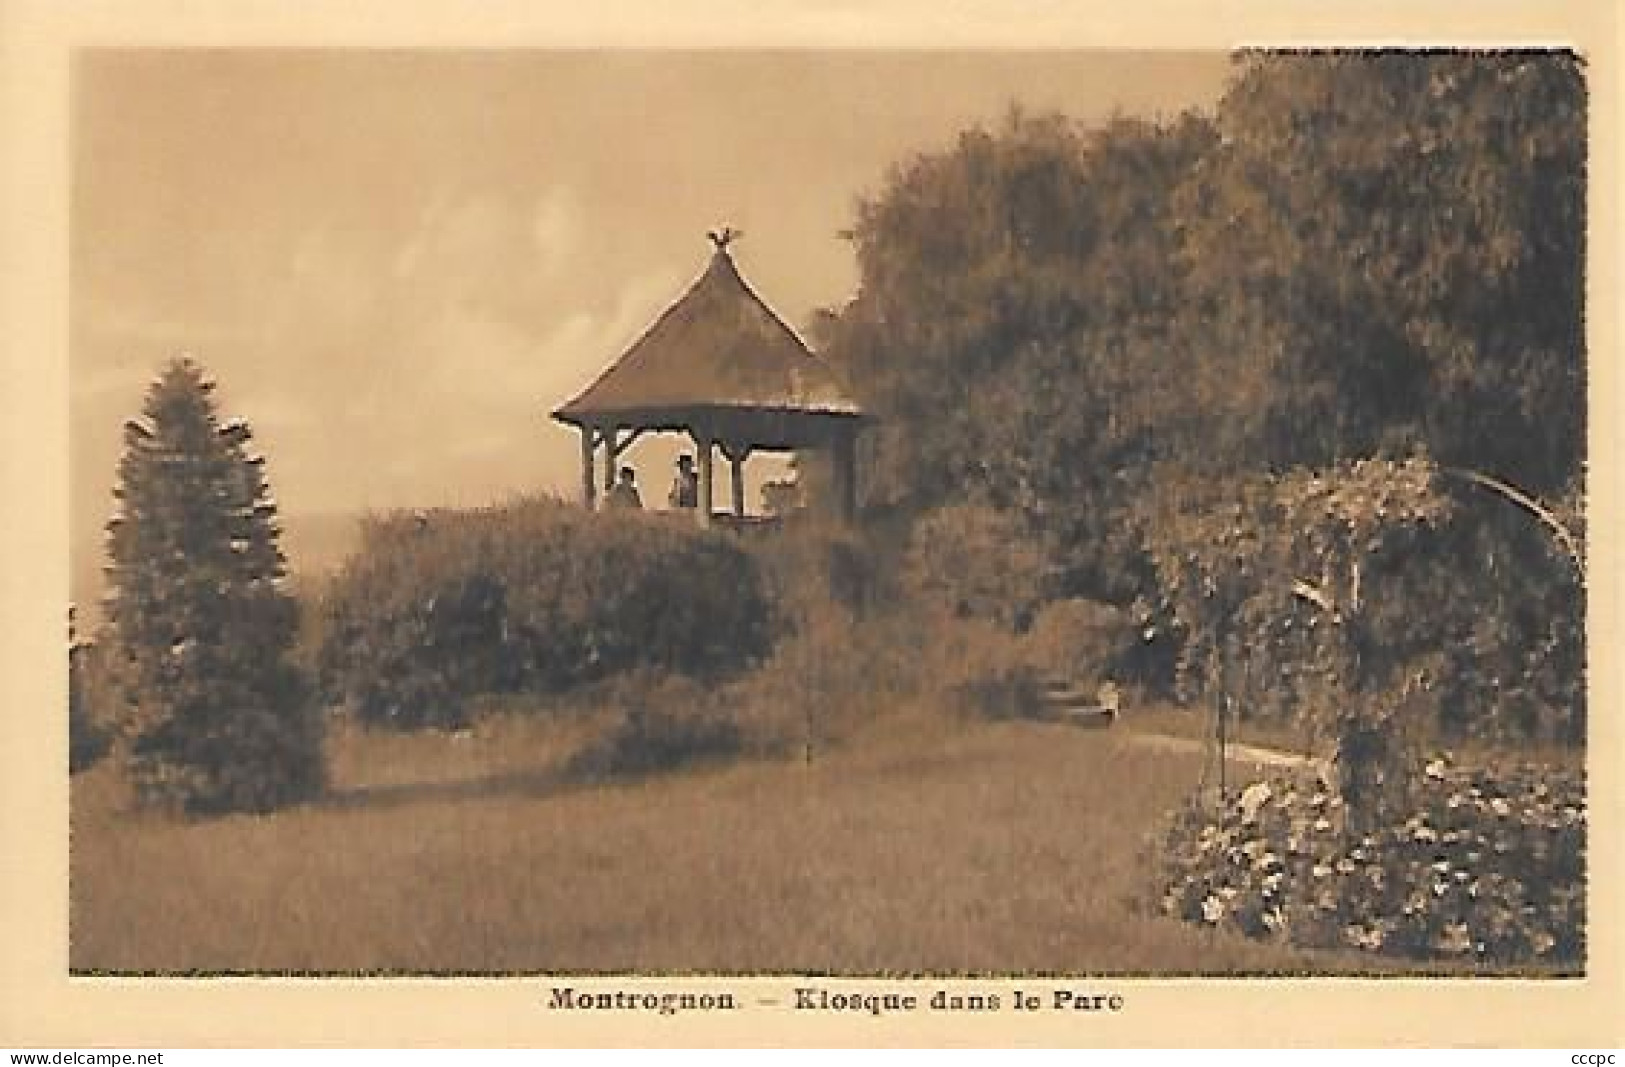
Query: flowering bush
point(1488, 866)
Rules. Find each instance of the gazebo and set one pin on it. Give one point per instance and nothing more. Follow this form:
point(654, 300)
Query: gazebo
point(722, 367)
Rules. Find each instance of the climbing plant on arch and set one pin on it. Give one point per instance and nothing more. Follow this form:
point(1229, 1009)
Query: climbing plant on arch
point(1270, 574)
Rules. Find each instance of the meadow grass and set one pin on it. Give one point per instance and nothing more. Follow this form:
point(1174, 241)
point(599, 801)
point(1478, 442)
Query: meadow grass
point(969, 848)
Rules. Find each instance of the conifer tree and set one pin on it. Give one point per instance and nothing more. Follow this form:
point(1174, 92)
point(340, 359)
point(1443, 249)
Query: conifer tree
point(218, 717)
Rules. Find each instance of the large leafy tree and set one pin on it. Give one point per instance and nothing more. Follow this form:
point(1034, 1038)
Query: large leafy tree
point(218, 718)
point(1008, 331)
point(1396, 240)
point(1359, 255)
point(1386, 252)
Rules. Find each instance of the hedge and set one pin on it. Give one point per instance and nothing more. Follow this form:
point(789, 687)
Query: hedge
point(536, 596)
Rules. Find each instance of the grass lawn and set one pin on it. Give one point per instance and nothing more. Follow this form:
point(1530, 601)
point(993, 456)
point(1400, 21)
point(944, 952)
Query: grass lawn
point(981, 848)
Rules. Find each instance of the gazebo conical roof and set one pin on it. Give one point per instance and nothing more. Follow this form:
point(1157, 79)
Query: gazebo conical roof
point(718, 362)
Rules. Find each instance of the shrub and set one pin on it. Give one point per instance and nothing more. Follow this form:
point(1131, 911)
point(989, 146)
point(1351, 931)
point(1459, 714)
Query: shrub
point(813, 564)
point(662, 724)
point(1487, 865)
point(538, 596)
point(976, 561)
point(831, 674)
point(1081, 638)
point(836, 674)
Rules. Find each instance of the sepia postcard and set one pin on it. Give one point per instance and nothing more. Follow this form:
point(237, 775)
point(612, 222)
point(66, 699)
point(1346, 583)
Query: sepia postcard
point(810, 524)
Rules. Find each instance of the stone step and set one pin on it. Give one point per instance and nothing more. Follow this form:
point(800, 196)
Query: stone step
point(1088, 718)
point(1067, 700)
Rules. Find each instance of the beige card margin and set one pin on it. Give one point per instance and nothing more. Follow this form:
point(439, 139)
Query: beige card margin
point(40, 1006)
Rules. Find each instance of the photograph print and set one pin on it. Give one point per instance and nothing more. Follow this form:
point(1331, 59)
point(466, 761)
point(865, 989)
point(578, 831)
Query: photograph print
point(836, 512)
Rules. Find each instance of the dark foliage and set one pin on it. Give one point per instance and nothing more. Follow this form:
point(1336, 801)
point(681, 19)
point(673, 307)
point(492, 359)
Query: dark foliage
point(536, 597)
point(1357, 255)
point(661, 726)
point(217, 717)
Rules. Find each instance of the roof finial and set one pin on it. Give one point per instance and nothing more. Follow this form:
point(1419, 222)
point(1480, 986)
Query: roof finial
point(724, 237)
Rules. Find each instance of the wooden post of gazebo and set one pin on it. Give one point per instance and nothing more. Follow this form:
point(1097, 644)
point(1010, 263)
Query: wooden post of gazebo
point(703, 508)
point(589, 482)
point(736, 454)
point(612, 452)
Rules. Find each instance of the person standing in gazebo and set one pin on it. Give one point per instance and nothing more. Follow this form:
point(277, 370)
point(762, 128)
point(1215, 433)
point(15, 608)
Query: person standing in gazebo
point(624, 494)
point(685, 485)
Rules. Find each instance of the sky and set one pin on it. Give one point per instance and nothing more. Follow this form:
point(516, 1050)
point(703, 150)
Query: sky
point(395, 264)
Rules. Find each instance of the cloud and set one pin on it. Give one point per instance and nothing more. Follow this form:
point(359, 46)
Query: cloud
point(479, 361)
point(582, 346)
point(489, 247)
point(412, 250)
point(557, 225)
point(429, 361)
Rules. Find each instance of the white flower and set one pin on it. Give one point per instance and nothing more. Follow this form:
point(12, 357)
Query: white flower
point(1212, 909)
point(1253, 798)
point(1455, 938)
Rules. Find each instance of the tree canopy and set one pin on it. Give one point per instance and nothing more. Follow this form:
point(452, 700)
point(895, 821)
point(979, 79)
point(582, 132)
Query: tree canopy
point(1357, 254)
point(1401, 239)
